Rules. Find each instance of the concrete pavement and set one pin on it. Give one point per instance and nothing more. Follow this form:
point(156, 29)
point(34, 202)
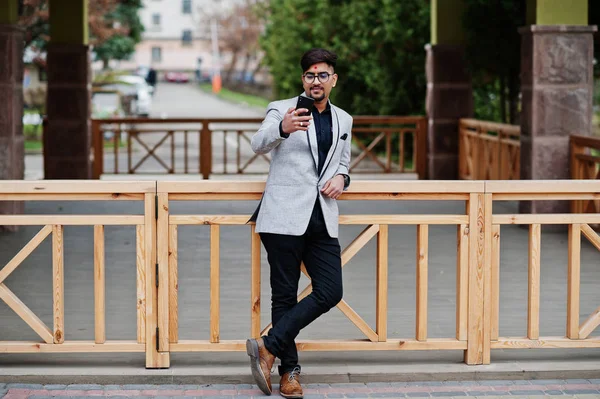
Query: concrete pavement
point(490, 389)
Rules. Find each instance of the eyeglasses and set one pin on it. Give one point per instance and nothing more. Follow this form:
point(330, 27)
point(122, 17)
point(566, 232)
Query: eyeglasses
point(323, 77)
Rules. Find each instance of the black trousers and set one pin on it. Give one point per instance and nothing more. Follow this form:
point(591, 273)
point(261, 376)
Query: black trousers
point(321, 256)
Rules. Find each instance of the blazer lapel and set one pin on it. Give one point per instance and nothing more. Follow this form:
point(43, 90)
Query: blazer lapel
point(311, 135)
point(335, 131)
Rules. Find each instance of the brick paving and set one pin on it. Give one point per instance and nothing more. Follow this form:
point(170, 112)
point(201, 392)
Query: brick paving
point(567, 389)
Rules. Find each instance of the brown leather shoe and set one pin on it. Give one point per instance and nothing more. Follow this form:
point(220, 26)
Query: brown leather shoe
point(289, 386)
point(261, 362)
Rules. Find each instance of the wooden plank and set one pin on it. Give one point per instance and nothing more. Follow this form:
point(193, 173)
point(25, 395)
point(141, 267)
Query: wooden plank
point(495, 317)
point(462, 282)
point(533, 303)
point(545, 196)
point(140, 256)
point(24, 252)
point(173, 286)
point(587, 231)
point(573, 281)
point(99, 286)
point(163, 241)
point(588, 326)
point(72, 197)
point(382, 283)
point(58, 286)
point(474, 354)
point(71, 220)
point(215, 197)
point(71, 347)
point(76, 187)
point(565, 218)
point(358, 321)
point(154, 358)
point(346, 196)
point(585, 141)
point(26, 314)
point(487, 277)
point(358, 243)
point(326, 345)
point(369, 187)
point(542, 186)
point(214, 283)
point(343, 219)
point(545, 342)
point(255, 284)
point(422, 273)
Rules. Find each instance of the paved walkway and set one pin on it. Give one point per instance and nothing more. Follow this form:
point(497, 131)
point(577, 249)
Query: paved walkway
point(567, 389)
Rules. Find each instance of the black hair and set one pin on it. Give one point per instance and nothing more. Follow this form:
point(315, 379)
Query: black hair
point(317, 55)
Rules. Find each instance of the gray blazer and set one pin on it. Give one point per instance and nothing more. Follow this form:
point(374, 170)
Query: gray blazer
point(293, 184)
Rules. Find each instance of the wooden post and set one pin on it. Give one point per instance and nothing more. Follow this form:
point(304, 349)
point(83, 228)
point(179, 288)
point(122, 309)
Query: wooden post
point(99, 285)
point(573, 281)
point(205, 150)
point(255, 284)
point(474, 353)
point(462, 281)
point(382, 282)
point(533, 303)
point(422, 273)
point(162, 247)
point(58, 286)
point(141, 283)
point(98, 142)
point(173, 286)
point(154, 358)
point(422, 148)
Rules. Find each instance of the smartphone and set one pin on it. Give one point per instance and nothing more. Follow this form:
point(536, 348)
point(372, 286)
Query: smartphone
point(305, 102)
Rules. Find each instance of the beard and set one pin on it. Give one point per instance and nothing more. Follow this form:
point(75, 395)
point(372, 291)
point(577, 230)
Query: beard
point(317, 98)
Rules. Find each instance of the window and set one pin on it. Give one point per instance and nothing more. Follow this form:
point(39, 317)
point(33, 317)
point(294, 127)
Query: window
point(186, 37)
point(156, 54)
point(187, 6)
point(155, 19)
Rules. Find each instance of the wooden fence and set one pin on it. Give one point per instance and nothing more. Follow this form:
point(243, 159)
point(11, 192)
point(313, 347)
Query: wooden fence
point(477, 257)
point(222, 146)
point(585, 164)
point(488, 150)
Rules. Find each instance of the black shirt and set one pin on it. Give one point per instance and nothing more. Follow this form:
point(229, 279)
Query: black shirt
point(323, 127)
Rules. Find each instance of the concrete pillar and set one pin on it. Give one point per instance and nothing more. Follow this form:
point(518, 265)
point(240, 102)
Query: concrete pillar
point(449, 91)
point(557, 87)
point(67, 136)
point(11, 103)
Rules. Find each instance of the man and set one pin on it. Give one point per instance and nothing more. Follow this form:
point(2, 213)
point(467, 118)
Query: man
point(298, 215)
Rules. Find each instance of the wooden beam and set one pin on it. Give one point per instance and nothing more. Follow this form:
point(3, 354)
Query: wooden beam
point(214, 284)
point(255, 284)
point(99, 286)
point(533, 303)
point(573, 281)
point(24, 252)
point(422, 273)
point(173, 286)
point(495, 317)
point(382, 283)
point(58, 285)
point(462, 282)
point(162, 250)
point(140, 257)
point(26, 314)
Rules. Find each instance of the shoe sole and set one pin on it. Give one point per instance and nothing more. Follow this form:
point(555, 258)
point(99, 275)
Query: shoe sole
point(257, 373)
point(291, 396)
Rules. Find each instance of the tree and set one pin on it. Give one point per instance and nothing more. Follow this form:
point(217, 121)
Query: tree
point(114, 26)
point(380, 44)
point(494, 56)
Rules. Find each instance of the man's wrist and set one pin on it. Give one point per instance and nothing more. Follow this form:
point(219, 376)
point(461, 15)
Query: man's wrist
point(281, 132)
point(346, 179)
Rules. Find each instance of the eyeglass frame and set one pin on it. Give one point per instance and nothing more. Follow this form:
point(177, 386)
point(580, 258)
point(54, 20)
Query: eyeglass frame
point(316, 76)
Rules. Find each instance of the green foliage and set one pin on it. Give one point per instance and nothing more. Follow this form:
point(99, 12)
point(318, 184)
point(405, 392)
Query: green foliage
point(121, 45)
point(380, 44)
point(493, 48)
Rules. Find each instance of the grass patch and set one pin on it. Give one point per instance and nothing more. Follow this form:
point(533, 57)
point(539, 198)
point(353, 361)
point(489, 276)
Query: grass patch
point(240, 98)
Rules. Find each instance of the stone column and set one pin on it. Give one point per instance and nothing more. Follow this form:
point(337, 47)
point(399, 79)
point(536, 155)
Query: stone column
point(67, 136)
point(12, 158)
point(449, 98)
point(557, 88)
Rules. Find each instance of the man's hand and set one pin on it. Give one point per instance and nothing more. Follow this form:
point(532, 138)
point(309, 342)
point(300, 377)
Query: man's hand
point(334, 187)
point(292, 122)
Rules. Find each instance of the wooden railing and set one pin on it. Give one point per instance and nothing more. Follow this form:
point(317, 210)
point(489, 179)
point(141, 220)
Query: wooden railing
point(585, 164)
point(222, 146)
point(488, 150)
point(477, 264)
point(53, 338)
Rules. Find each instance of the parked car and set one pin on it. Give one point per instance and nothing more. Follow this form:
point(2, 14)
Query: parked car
point(177, 77)
point(137, 93)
